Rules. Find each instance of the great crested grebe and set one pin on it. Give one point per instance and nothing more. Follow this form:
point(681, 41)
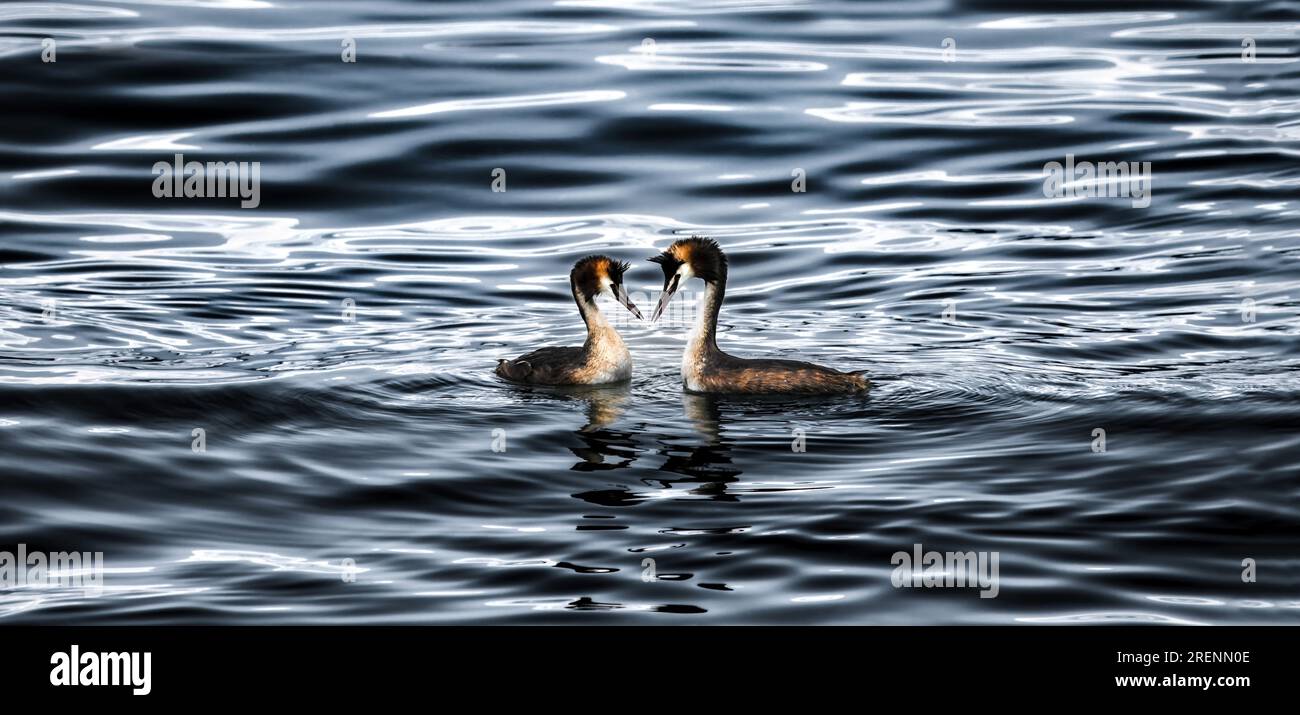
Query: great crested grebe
point(604, 357)
point(705, 368)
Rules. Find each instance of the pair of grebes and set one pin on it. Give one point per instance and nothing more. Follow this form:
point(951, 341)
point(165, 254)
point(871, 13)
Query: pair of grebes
point(705, 368)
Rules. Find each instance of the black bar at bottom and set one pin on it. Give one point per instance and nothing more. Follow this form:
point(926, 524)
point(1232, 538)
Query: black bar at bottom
point(204, 664)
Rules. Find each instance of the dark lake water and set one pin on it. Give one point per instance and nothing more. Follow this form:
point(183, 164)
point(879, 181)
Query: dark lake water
point(336, 343)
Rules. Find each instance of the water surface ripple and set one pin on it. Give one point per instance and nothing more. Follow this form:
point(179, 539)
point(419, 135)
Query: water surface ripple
point(349, 475)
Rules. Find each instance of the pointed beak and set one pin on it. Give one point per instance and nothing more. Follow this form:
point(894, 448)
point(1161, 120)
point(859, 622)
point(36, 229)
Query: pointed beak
point(620, 294)
point(669, 289)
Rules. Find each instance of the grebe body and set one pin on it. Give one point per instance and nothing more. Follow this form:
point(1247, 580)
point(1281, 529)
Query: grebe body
point(705, 367)
point(603, 358)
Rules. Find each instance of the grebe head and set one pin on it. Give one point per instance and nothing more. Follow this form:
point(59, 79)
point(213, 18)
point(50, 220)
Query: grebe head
point(694, 257)
point(594, 275)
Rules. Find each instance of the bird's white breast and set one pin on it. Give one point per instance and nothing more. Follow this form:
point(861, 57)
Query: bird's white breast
point(693, 357)
point(610, 360)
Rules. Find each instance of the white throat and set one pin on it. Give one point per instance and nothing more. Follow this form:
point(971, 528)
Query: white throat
point(697, 341)
point(700, 328)
point(591, 313)
point(607, 357)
